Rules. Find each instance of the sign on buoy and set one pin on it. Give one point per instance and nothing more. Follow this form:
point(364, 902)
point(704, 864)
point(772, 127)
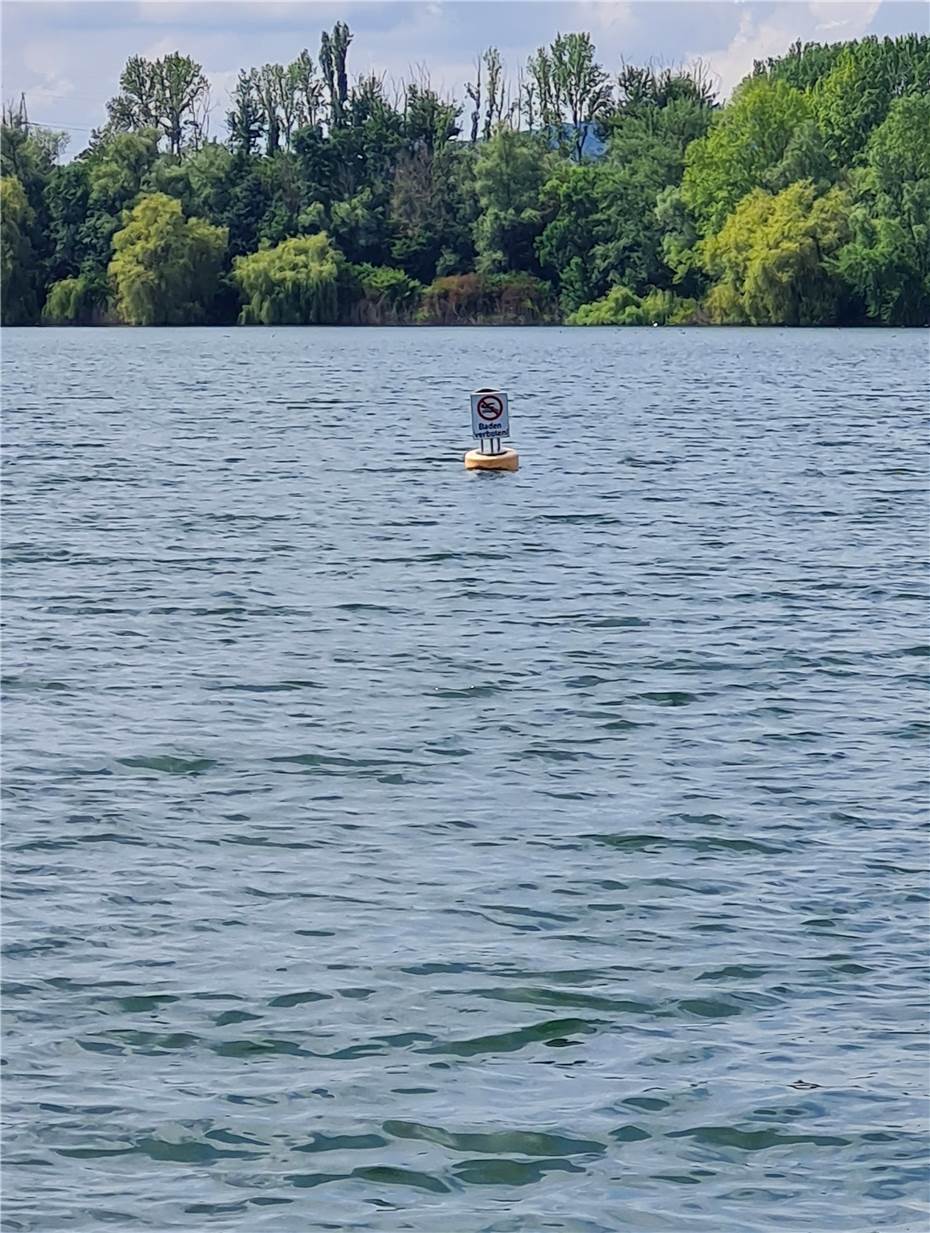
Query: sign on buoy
point(490, 421)
point(490, 414)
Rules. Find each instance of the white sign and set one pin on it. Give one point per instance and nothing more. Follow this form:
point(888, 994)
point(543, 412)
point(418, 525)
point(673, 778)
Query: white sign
point(490, 414)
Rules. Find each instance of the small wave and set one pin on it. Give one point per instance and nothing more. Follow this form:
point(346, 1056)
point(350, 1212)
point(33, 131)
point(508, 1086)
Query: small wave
point(498, 1142)
point(636, 842)
point(169, 764)
point(550, 1032)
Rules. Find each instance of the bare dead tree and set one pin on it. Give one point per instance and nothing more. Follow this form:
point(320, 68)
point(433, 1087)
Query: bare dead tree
point(494, 100)
point(473, 90)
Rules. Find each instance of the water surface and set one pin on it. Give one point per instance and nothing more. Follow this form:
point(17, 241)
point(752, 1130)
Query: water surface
point(389, 847)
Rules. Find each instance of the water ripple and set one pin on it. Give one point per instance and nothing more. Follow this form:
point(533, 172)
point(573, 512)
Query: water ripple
point(390, 847)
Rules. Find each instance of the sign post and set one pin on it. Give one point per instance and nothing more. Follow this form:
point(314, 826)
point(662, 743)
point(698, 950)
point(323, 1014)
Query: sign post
point(490, 423)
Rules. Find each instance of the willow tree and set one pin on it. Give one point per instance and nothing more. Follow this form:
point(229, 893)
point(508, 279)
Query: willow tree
point(299, 282)
point(17, 264)
point(165, 268)
point(772, 258)
point(80, 300)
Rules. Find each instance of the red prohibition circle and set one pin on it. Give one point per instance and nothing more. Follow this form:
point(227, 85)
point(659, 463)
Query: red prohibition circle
point(490, 408)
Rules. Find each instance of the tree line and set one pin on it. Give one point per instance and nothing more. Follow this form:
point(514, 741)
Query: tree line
point(565, 193)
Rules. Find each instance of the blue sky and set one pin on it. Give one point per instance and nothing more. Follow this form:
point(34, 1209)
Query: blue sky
point(67, 56)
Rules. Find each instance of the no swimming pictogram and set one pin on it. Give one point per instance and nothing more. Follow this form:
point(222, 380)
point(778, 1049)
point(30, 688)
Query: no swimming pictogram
point(490, 408)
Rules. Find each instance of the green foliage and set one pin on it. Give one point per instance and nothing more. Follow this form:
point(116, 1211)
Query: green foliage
point(333, 52)
point(805, 158)
point(432, 211)
point(680, 239)
point(66, 199)
point(28, 154)
point(748, 138)
point(618, 307)
point(604, 226)
point(169, 96)
point(868, 76)
point(805, 198)
point(622, 307)
point(580, 93)
point(113, 174)
point(17, 271)
point(388, 295)
point(887, 261)
point(567, 245)
point(302, 281)
point(771, 258)
point(662, 307)
point(246, 119)
point(359, 227)
point(75, 301)
point(645, 157)
point(803, 65)
point(165, 268)
point(117, 167)
point(509, 175)
point(642, 88)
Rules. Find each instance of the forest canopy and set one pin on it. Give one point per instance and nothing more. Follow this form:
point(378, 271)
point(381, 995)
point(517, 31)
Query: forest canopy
point(569, 191)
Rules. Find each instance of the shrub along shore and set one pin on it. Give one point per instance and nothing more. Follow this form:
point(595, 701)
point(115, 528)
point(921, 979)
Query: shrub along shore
point(560, 193)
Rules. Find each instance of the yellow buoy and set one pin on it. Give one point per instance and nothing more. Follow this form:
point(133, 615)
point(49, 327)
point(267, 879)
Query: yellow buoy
point(506, 460)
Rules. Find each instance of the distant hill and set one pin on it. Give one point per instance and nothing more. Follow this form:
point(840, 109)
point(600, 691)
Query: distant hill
point(593, 145)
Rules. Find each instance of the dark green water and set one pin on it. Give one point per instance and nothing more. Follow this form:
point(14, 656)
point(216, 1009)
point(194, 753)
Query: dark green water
point(393, 848)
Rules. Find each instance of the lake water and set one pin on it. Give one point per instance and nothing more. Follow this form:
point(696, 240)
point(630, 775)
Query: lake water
point(390, 847)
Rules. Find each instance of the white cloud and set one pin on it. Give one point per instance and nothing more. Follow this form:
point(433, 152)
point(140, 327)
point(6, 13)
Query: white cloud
point(55, 91)
point(46, 57)
point(856, 12)
point(602, 16)
point(762, 34)
point(754, 40)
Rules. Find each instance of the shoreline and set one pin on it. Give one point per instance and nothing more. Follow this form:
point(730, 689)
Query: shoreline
point(871, 326)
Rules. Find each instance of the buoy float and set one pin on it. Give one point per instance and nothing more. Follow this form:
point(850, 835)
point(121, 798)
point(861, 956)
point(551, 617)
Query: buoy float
point(506, 460)
point(490, 422)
